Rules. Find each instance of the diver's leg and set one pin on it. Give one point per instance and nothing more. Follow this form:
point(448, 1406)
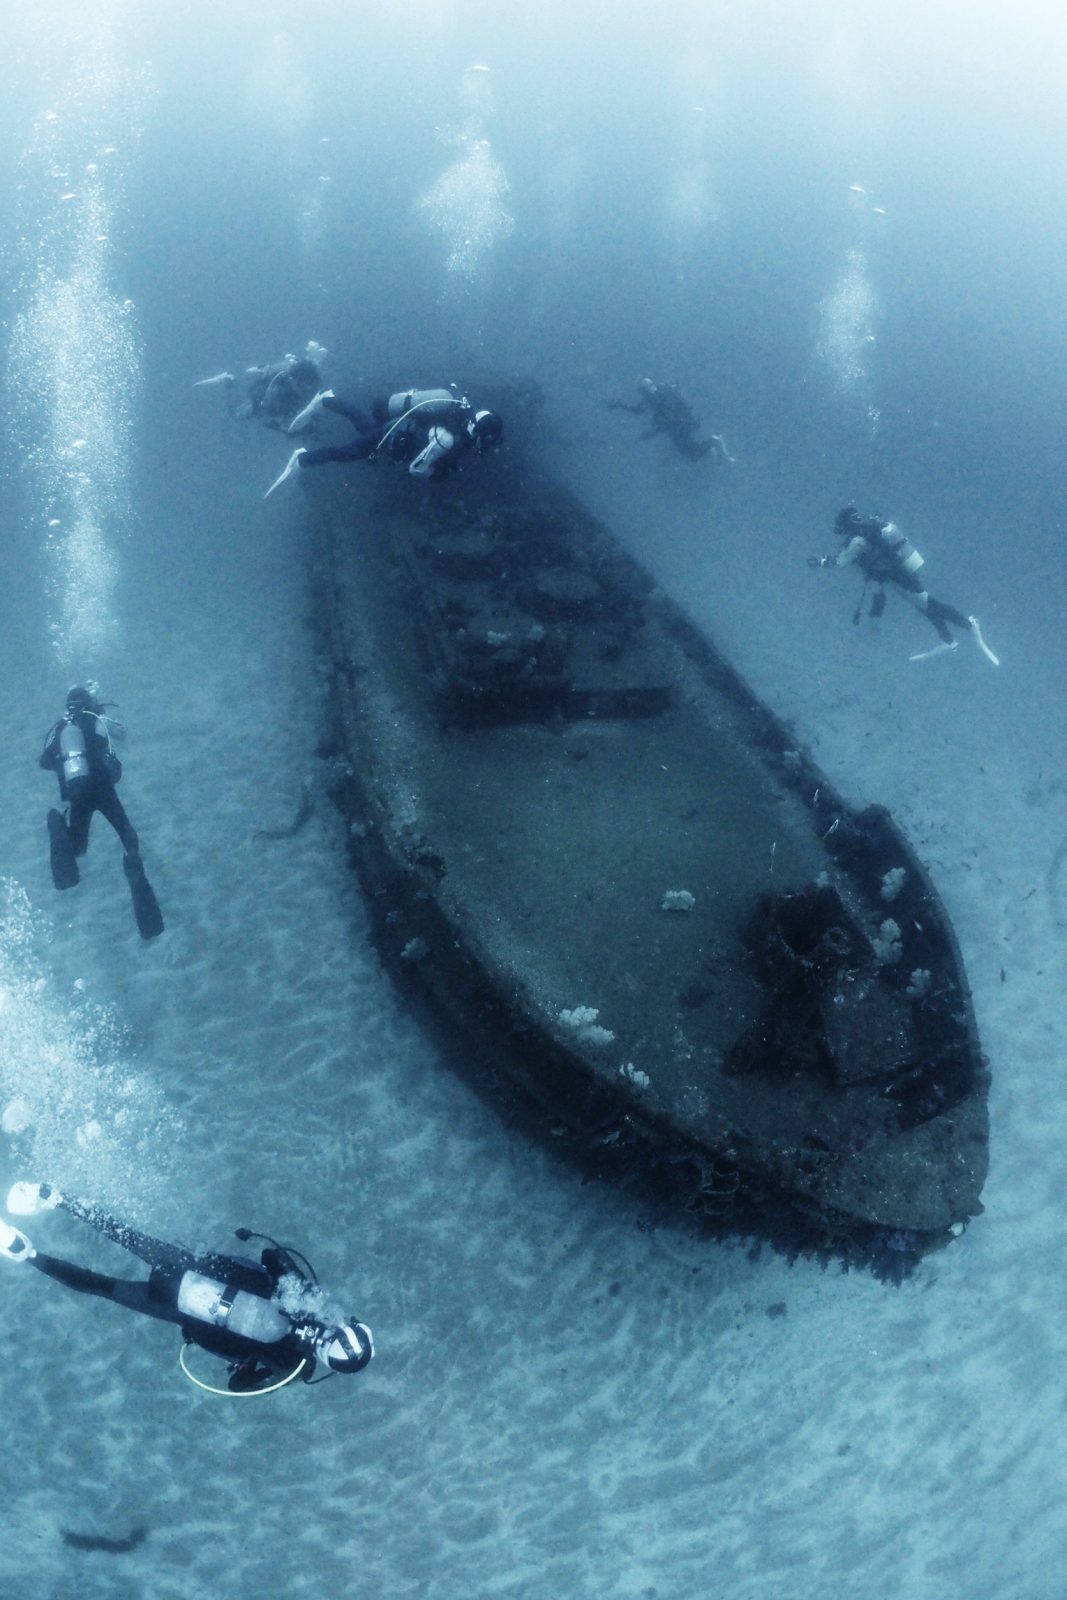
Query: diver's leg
point(110, 806)
point(912, 590)
point(82, 1281)
point(923, 603)
point(155, 1251)
point(135, 1295)
point(359, 420)
point(356, 450)
point(938, 611)
point(168, 1261)
point(929, 609)
point(685, 442)
point(78, 820)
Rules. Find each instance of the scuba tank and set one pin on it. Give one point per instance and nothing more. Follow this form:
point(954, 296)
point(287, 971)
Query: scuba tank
point(899, 548)
point(249, 1316)
point(412, 407)
point(432, 405)
point(74, 758)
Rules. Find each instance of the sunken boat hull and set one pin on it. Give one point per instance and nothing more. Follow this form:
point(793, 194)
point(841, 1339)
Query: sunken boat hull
point(615, 875)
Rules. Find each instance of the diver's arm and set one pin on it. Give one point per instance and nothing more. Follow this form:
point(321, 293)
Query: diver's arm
point(50, 751)
point(855, 548)
point(844, 558)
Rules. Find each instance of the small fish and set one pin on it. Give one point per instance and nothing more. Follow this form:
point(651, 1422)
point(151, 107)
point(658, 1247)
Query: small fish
point(879, 211)
point(98, 1541)
point(857, 188)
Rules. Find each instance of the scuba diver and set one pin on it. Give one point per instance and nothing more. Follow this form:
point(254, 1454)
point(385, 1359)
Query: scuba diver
point(276, 393)
point(265, 1319)
point(885, 556)
point(429, 429)
point(79, 750)
point(669, 412)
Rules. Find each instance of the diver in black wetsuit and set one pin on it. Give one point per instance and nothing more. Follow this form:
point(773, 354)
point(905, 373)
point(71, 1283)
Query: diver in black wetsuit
point(275, 393)
point(669, 412)
point(428, 429)
point(263, 1318)
point(885, 556)
point(79, 749)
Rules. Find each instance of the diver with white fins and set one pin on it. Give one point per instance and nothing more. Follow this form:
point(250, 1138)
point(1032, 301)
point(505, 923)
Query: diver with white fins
point(268, 1320)
point(886, 557)
point(430, 430)
point(667, 411)
point(275, 393)
point(79, 749)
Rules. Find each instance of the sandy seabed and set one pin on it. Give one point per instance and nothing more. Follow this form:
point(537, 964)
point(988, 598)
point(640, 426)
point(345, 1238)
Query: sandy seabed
point(566, 1402)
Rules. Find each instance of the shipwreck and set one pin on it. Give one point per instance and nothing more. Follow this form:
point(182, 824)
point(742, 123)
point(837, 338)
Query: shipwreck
point(647, 919)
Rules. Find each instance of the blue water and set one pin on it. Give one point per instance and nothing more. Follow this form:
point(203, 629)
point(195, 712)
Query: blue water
point(840, 228)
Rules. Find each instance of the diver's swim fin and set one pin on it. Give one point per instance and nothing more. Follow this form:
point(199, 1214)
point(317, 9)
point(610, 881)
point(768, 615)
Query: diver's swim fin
point(64, 862)
point(938, 650)
point(287, 471)
point(145, 905)
point(980, 642)
point(14, 1243)
point(25, 1199)
point(310, 411)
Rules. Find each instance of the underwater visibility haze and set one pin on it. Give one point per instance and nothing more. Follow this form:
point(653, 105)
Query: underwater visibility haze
point(841, 230)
